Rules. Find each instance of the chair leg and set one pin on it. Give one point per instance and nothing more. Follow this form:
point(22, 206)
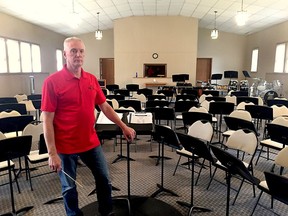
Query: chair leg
point(259, 155)
point(177, 165)
point(257, 203)
point(238, 191)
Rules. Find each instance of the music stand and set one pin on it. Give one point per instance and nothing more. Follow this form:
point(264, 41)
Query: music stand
point(216, 77)
point(234, 167)
point(165, 136)
point(195, 146)
point(246, 74)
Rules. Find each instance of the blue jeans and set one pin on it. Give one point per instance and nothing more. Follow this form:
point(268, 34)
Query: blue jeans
point(94, 159)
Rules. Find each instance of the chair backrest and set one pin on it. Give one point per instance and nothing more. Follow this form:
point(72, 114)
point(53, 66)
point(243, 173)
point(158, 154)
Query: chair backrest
point(242, 114)
point(198, 109)
point(281, 158)
point(241, 106)
point(281, 121)
point(231, 99)
point(244, 140)
point(35, 130)
point(5, 114)
point(205, 104)
point(125, 109)
point(21, 97)
point(140, 97)
point(279, 110)
point(29, 105)
point(197, 128)
point(278, 186)
point(114, 102)
point(203, 97)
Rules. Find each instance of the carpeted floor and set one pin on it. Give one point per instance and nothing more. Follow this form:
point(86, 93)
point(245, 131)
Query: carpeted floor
point(144, 177)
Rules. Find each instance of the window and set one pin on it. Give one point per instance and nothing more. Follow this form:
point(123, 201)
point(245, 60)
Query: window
point(17, 56)
point(59, 59)
point(254, 61)
point(280, 58)
point(3, 57)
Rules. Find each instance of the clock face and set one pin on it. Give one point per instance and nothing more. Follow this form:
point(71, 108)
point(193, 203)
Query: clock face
point(155, 55)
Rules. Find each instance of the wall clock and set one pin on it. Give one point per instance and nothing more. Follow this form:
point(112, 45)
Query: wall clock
point(155, 55)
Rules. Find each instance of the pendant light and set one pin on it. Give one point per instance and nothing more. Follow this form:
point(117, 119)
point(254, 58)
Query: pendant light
point(242, 16)
point(98, 32)
point(214, 32)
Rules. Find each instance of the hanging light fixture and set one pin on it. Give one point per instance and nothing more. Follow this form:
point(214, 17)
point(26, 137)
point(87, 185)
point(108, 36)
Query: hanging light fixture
point(242, 16)
point(98, 32)
point(214, 32)
point(74, 18)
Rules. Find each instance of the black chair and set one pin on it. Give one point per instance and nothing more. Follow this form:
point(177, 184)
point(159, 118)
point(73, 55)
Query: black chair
point(157, 103)
point(12, 148)
point(136, 104)
point(21, 108)
point(112, 87)
point(198, 148)
point(234, 166)
point(156, 97)
point(240, 99)
point(9, 100)
point(165, 136)
point(145, 91)
point(272, 102)
point(124, 92)
point(116, 97)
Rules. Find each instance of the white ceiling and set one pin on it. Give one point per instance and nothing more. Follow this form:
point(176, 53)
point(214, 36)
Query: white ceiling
point(54, 14)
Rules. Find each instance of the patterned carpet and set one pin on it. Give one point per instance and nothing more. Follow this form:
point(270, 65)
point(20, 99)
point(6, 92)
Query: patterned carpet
point(144, 177)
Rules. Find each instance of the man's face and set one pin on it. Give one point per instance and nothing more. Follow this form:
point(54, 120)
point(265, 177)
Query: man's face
point(74, 53)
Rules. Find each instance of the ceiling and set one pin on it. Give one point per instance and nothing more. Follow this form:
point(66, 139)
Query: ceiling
point(56, 14)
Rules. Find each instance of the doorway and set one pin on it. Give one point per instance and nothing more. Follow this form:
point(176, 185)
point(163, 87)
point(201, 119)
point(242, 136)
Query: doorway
point(107, 70)
point(203, 69)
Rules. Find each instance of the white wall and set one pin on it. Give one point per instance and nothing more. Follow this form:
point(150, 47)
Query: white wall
point(11, 27)
point(137, 38)
point(227, 52)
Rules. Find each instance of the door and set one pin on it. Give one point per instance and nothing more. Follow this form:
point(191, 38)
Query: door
point(203, 69)
point(107, 70)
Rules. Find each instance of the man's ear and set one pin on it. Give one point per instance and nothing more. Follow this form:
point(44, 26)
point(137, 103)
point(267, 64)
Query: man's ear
point(64, 54)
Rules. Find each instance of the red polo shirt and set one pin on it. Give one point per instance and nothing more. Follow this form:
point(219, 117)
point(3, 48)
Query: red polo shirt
point(73, 100)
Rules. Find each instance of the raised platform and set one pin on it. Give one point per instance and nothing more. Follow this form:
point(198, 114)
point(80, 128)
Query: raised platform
point(139, 206)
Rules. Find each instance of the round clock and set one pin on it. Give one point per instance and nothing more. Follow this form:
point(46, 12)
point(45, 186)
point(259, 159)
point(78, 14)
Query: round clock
point(155, 55)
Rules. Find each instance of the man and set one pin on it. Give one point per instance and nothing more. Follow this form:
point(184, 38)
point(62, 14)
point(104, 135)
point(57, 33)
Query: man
point(69, 97)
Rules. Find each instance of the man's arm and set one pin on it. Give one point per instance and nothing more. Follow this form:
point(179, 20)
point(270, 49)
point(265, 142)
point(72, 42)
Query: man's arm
point(54, 159)
point(109, 112)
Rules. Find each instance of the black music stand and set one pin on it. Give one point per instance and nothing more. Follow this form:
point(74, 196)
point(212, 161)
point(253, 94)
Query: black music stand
point(246, 74)
point(234, 167)
point(12, 148)
point(216, 77)
point(195, 146)
point(165, 136)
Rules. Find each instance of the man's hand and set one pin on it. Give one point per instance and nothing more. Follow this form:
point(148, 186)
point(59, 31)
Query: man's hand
point(129, 133)
point(55, 163)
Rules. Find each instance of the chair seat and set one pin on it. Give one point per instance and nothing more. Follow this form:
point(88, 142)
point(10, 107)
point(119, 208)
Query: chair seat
point(4, 165)
point(35, 157)
point(263, 185)
point(214, 119)
point(179, 117)
point(184, 152)
point(271, 144)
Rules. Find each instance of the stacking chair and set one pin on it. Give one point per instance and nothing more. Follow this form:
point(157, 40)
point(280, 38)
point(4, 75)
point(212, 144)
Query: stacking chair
point(231, 99)
point(165, 136)
point(203, 97)
point(281, 161)
point(196, 130)
point(190, 117)
point(277, 139)
point(12, 148)
point(136, 104)
point(9, 113)
point(245, 142)
point(21, 97)
point(233, 166)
